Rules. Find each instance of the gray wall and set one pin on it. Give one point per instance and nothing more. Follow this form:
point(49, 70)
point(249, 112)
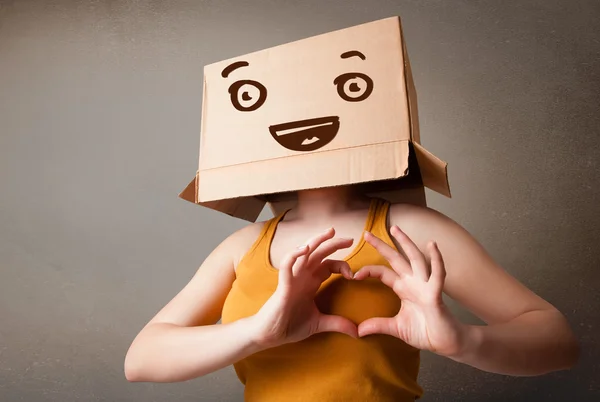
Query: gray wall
point(99, 118)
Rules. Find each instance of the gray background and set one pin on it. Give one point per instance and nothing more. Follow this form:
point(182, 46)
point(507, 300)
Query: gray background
point(99, 119)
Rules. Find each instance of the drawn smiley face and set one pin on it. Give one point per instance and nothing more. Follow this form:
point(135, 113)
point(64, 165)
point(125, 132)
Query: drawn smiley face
point(308, 134)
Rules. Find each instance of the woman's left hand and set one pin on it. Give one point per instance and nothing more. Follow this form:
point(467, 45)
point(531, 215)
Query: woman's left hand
point(423, 321)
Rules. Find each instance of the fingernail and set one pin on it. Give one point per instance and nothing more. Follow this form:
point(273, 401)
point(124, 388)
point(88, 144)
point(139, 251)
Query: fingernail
point(328, 230)
point(302, 247)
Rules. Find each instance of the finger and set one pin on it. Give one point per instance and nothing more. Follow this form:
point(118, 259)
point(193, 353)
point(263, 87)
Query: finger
point(382, 247)
point(438, 270)
point(378, 325)
point(387, 276)
point(300, 263)
point(316, 241)
point(329, 267)
point(336, 323)
point(287, 264)
point(396, 260)
point(417, 259)
point(312, 245)
point(327, 248)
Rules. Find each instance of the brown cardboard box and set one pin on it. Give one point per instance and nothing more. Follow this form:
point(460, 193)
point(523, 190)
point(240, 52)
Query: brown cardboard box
point(334, 109)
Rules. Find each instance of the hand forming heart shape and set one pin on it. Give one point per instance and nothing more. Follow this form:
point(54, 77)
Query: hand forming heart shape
point(424, 322)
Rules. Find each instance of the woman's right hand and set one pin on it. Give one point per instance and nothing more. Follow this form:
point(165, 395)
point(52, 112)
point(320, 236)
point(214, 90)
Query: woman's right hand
point(290, 314)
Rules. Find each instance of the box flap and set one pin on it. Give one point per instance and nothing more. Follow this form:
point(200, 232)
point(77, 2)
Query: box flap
point(434, 171)
point(190, 193)
point(247, 208)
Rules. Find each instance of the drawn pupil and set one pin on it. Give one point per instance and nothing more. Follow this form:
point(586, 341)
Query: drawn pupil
point(246, 96)
point(354, 87)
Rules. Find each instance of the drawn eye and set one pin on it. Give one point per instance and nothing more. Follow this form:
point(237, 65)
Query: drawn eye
point(354, 87)
point(247, 95)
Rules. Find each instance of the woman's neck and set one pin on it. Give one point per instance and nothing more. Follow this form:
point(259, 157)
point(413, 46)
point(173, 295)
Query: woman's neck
point(324, 203)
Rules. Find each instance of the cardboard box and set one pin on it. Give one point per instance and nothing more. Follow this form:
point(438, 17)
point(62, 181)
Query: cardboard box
point(334, 109)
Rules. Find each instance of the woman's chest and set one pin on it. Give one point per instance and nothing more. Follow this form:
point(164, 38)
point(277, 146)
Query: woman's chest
point(355, 300)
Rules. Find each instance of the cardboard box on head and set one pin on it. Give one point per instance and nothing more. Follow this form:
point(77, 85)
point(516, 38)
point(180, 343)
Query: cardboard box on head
point(334, 109)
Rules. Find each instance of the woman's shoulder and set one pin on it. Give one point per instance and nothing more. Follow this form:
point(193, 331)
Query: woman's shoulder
point(243, 239)
point(421, 218)
point(412, 211)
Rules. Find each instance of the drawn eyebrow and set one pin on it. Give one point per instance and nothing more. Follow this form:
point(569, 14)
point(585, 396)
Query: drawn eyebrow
point(352, 53)
point(227, 70)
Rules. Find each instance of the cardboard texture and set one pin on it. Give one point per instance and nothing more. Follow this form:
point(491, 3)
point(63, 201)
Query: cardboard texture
point(334, 109)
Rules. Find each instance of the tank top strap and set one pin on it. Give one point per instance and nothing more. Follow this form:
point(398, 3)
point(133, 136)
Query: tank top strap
point(380, 219)
point(266, 234)
point(271, 227)
point(372, 216)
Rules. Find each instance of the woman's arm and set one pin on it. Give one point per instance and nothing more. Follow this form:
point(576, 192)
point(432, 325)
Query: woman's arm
point(532, 343)
point(169, 353)
point(525, 335)
point(183, 340)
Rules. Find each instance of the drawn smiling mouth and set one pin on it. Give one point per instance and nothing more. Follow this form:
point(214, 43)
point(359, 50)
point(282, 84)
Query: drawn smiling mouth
point(306, 135)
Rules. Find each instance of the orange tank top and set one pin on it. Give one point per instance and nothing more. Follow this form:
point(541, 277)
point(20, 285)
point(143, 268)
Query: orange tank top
point(326, 367)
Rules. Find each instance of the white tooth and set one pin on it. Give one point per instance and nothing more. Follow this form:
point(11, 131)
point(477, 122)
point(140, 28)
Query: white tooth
point(310, 140)
point(293, 130)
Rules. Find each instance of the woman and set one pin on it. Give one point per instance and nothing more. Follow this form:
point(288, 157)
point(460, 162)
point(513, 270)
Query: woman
point(324, 322)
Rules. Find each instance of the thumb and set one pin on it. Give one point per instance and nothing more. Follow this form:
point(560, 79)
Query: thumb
point(336, 323)
point(378, 325)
